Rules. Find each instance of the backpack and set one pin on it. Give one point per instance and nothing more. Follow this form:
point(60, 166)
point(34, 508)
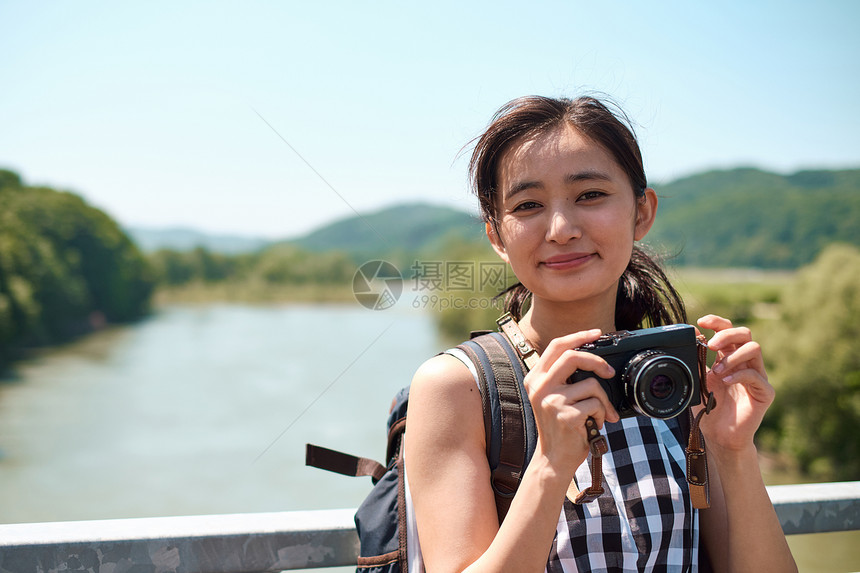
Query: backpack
point(381, 518)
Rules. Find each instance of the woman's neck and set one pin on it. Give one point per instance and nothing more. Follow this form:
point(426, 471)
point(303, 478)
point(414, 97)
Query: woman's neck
point(546, 320)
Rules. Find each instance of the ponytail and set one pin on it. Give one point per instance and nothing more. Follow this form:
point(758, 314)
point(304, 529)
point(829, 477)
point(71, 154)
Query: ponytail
point(645, 296)
point(517, 299)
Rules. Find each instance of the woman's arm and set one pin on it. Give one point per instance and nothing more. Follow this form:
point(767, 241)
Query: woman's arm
point(741, 531)
point(449, 476)
point(446, 464)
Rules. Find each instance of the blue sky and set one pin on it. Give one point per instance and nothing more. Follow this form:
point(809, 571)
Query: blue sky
point(160, 112)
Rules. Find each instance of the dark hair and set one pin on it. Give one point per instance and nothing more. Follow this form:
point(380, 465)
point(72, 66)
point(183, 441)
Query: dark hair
point(645, 295)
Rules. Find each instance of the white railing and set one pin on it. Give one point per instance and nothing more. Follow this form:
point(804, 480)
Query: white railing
point(246, 543)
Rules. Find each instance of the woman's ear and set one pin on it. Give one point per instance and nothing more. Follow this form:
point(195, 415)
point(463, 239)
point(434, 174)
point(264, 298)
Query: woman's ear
point(646, 212)
point(496, 241)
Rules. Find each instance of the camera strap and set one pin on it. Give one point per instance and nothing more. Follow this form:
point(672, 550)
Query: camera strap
point(596, 441)
point(697, 460)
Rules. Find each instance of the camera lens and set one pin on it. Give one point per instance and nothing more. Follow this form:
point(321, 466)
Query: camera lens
point(662, 386)
point(657, 384)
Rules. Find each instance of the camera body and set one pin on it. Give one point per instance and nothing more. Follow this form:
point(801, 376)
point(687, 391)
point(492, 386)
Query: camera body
point(656, 370)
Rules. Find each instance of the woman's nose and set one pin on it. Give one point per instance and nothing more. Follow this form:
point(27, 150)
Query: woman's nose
point(563, 227)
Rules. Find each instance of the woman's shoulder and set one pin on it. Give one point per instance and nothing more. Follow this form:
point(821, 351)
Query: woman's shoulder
point(443, 376)
point(445, 396)
point(445, 413)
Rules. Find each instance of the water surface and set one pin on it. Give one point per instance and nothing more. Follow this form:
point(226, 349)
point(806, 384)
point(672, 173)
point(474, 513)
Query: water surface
point(203, 410)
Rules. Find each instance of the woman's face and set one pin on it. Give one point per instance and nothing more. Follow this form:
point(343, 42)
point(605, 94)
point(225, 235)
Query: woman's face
point(567, 216)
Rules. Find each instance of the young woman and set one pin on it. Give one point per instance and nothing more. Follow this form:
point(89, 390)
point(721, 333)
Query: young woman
point(565, 198)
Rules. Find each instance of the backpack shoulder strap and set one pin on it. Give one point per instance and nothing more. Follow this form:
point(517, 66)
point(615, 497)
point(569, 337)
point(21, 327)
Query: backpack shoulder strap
point(508, 418)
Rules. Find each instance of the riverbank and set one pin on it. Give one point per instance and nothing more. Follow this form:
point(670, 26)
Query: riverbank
point(252, 293)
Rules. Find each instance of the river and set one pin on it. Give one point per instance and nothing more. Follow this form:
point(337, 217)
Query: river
point(206, 409)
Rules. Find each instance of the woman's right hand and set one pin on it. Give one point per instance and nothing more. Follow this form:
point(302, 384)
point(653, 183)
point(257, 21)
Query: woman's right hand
point(561, 409)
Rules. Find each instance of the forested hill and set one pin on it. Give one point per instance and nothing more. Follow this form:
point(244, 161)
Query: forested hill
point(409, 228)
point(65, 267)
point(753, 218)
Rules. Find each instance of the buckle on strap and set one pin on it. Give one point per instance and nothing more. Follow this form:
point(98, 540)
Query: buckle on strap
point(528, 353)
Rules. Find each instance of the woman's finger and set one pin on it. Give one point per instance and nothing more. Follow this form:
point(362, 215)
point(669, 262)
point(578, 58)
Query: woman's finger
point(576, 416)
point(560, 398)
point(590, 389)
point(558, 373)
point(756, 385)
point(571, 361)
point(558, 346)
point(714, 322)
point(730, 337)
point(746, 356)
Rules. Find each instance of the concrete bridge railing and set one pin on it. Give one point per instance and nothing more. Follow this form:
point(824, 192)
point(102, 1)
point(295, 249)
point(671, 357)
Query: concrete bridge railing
point(246, 543)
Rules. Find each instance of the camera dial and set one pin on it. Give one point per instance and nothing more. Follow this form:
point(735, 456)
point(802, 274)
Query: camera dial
point(657, 384)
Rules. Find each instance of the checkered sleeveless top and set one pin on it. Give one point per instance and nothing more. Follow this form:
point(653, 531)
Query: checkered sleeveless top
point(645, 520)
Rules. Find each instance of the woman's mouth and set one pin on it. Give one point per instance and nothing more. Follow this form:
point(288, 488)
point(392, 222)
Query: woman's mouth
point(567, 261)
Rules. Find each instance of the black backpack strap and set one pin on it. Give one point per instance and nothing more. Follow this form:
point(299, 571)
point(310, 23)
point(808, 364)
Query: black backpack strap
point(508, 419)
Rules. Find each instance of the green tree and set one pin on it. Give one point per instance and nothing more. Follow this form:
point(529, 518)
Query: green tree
point(63, 265)
point(288, 264)
point(171, 267)
point(816, 364)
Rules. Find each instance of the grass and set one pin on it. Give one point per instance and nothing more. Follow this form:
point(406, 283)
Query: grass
point(745, 296)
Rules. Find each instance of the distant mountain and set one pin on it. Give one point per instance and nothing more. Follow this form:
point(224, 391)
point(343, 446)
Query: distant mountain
point(405, 228)
point(752, 218)
point(182, 239)
point(408, 228)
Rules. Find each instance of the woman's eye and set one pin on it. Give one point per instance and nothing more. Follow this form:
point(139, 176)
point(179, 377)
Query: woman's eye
point(526, 205)
point(591, 195)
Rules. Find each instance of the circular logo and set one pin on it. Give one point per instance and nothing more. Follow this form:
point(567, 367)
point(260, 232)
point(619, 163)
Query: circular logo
point(377, 285)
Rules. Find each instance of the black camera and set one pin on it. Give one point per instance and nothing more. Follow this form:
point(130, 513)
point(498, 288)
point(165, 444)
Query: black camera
point(656, 370)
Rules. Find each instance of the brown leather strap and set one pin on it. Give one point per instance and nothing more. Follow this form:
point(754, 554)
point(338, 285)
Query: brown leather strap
point(697, 464)
point(707, 396)
point(598, 446)
point(395, 439)
point(339, 462)
point(697, 459)
point(378, 560)
point(527, 351)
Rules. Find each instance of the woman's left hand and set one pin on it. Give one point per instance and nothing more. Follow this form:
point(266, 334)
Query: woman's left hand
point(739, 383)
